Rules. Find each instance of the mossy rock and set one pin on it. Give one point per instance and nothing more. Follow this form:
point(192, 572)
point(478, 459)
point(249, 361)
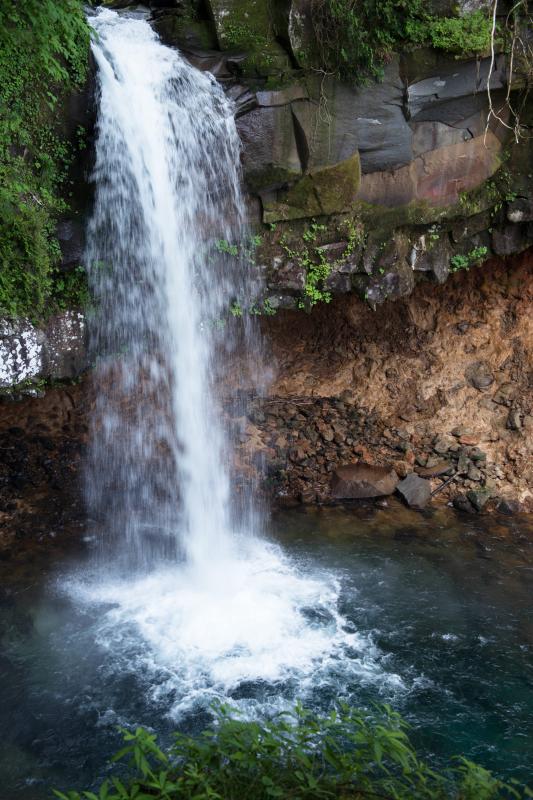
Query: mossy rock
point(326, 191)
point(248, 25)
point(177, 30)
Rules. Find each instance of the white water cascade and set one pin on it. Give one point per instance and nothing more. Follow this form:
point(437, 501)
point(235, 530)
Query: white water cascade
point(200, 602)
point(167, 188)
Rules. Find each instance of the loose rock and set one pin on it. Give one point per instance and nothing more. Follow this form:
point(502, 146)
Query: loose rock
point(357, 481)
point(415, 491)
point(478, 498)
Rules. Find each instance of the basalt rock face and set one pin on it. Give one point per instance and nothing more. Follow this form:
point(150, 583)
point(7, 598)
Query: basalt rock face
point(438, 385)
point(366, 189)
point(415, 163)
point(397, 190)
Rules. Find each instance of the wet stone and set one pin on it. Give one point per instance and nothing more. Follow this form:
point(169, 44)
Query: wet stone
point(478, 498)
point(362, 480)
point(508, 507)
point(416, 491)
point(462, 503)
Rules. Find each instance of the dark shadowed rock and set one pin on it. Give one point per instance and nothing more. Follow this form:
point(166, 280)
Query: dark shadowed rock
point(357, 481)
point(478, 498)
point(270, 154)
point(415, 491)
point(508, 507)
point(455, 92)
point(462, 503)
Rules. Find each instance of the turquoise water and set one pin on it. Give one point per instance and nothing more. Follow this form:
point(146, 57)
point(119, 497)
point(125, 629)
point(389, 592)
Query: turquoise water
point(432, 613)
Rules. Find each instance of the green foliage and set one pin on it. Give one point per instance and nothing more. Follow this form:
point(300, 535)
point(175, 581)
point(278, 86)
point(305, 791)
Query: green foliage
point(462, 261)
point(468, 35)
point(224, 246)
point(298, 755)
point(43, 55)
point(356, 37)
point(315, 262)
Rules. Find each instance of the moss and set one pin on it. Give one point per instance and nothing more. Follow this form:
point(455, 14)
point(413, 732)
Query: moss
point(336, 186)
point(247, 26)
point(321, 192)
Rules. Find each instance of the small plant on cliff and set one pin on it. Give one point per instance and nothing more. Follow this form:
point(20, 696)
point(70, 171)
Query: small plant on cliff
point(356, 37)
point(314, 259)
point(298, 755)
point(475, 256)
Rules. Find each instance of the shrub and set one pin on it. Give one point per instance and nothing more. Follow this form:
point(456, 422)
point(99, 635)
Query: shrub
point(468, 35)
point(297, 755)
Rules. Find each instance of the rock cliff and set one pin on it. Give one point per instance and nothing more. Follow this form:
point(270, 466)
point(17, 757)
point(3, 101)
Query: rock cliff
point(387, 214)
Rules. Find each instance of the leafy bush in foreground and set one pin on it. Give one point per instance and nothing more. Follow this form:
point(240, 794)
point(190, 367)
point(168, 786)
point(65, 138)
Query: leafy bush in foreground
point(297, 755)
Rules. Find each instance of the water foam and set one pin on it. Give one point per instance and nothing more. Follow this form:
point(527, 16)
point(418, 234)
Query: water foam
point(202, 605)
point(196, 636)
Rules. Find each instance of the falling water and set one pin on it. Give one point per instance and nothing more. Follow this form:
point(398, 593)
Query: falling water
point(167, 189)
point(199, 603)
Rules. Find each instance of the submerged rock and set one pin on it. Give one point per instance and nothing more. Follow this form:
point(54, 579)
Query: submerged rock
point(362, 480)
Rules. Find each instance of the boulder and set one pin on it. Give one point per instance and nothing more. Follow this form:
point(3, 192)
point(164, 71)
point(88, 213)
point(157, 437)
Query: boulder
point(270, 155)
point(512, 238)
point(367, 119)
point(462, 503)
point(416, 491)
point(246, 25)
point(178, 30)
point(432, 135)
point(432, 257)
point(324, 191)
point(508, 507)
point(287, 276)
point(301, 35)
point(452, 91)
point(362, 480)
point(28, 353)
point(437, 177)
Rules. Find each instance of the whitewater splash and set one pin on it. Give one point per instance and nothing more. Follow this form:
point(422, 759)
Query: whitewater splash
point(194, 592)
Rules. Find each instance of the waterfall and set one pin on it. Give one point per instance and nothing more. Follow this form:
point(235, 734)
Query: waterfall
point(167, 190)
point(193, 602)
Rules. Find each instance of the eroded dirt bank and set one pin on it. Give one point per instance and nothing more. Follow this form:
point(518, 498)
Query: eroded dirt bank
point(442, 377)
point(440, 383)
